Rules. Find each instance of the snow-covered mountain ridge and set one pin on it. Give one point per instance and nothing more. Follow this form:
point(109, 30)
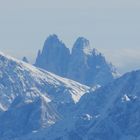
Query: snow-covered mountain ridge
point(32, 98)
point(19, 78)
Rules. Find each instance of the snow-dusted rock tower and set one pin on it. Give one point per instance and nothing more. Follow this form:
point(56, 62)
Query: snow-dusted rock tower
point(84, 64)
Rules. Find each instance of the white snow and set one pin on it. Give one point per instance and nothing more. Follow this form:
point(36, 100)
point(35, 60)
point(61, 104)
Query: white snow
point(2, 108)
point(126, 98)
point(87, 117)
point(31, 81)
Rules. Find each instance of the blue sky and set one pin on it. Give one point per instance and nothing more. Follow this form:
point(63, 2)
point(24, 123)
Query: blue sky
point(112, 26)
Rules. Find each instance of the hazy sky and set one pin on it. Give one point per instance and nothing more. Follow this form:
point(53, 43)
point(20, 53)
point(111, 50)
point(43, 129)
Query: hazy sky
point(112, 26)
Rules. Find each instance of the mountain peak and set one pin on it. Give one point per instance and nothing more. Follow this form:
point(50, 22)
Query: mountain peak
point(84, 64)
point(52, 40)
point(25, 59)
point(81, 43)
point(54, 56)
point(53, 36)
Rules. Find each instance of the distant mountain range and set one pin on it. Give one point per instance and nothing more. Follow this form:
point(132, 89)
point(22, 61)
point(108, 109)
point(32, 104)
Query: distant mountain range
point(67, 95)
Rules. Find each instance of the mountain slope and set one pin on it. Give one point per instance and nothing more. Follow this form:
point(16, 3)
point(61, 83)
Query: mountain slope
point(111, 112)
point(84, 64)
point(32, 99)
point(114, 110)
point(24, 117)
point(19, 78)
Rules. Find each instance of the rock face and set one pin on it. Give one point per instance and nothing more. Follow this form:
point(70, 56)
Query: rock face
point(111, 112)
point(88, 66)
point(54, 56)
point(24, 59)
point(84, 64)
point(26, 116)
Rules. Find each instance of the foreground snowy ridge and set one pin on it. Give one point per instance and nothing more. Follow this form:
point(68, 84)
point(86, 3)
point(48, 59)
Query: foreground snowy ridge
point(39, 96)
point(12, 67)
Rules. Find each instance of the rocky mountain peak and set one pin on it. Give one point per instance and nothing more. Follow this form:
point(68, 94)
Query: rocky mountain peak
point(84, 64)
point(81, 43)
point(25, 59)
point(54, 56)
